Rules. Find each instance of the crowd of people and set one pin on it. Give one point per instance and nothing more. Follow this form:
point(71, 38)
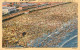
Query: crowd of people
point(26, 27)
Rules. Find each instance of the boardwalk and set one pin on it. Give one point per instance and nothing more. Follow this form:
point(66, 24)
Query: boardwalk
point(32, 9)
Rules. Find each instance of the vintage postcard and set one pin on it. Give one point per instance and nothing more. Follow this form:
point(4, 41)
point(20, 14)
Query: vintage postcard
point(40, 24)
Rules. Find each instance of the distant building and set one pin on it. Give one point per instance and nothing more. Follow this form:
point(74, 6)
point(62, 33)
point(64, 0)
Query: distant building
point(25, 6)
point(5, 4)
point(8, 10)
